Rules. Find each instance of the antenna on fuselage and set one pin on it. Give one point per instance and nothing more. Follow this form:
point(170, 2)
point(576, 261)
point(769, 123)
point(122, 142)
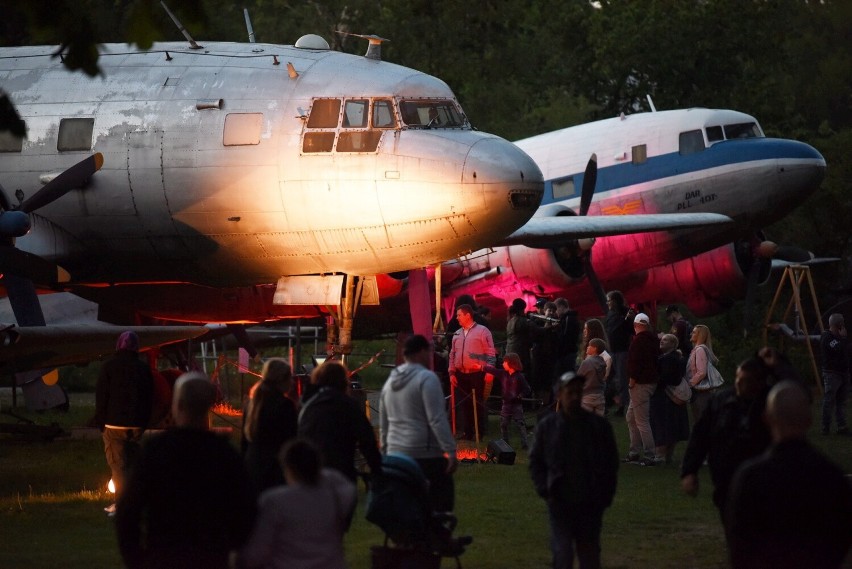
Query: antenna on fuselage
point(651, 102)
point(374, 50)
point(185, 33)
point(248, 25)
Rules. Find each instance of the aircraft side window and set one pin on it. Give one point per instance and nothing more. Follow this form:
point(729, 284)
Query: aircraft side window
point(355, 114)
point(563, 188)
point(9, 142)
point(640, 154)
point(383, 115)
point(715, 134)
point(324, 113)
point(75, 134)
point(242, 129)
point(691, 142)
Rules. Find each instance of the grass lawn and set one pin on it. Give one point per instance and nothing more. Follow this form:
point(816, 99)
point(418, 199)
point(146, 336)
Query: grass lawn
point(52, 497)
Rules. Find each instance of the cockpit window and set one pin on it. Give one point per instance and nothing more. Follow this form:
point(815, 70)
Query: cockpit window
point(383, 114)
point(430, 113)
point(714, 134)
point(324, 113)
point(742, 130)
point(691, 142)
point(355, 113)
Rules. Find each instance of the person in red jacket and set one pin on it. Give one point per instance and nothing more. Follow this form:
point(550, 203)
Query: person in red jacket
point(643, 376)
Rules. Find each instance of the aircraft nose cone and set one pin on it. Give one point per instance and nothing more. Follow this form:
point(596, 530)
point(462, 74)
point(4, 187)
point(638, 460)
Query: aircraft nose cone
point(801, 165)
point(498, 161)
point(507, 181)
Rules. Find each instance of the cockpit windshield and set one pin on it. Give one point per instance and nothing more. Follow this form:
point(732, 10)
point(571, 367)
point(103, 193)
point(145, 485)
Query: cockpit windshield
point(742, 130)
point(431, 113)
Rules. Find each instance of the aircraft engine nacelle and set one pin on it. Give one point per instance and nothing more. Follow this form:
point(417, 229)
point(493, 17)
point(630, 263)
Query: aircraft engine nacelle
point(708, 283)
point(551, 268)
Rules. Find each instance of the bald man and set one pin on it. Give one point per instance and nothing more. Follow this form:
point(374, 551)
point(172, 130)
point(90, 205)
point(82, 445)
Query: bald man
point(188, 501)
point(790, 507)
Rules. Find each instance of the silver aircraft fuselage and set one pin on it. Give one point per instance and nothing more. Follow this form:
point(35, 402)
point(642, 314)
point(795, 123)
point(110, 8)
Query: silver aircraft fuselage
point(235, 164)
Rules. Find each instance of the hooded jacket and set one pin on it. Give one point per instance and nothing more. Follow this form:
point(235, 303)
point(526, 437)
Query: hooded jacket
point(413, 417)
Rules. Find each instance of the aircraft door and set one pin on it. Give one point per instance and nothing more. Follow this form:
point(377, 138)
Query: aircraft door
point(149, 198)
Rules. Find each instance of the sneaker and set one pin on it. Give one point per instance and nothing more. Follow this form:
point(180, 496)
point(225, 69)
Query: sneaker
point(631, 458)
point(110, 509)
point(647, 462)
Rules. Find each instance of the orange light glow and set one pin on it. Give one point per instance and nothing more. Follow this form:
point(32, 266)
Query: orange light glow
point(111, 486)
point(227, 410)
point(467, 454)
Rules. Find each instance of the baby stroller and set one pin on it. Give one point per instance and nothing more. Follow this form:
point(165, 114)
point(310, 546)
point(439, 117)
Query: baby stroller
point(398, 503)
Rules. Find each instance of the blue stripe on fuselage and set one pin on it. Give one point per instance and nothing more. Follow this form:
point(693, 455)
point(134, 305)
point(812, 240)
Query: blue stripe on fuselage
point(723, 153)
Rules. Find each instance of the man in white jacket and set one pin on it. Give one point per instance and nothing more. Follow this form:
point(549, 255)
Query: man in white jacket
point(413, 421)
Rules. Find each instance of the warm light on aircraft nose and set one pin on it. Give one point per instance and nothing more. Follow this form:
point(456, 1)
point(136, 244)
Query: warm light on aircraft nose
point(111, 486)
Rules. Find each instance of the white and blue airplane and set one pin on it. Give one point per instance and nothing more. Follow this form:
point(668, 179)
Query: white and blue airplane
point(658, 164)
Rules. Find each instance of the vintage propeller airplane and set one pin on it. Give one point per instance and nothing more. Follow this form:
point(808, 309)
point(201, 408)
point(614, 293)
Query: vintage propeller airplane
point(188, 180)
point(688, 160)
point(236, 183)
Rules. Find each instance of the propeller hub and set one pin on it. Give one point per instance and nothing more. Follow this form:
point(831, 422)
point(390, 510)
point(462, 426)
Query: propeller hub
point(14, 224)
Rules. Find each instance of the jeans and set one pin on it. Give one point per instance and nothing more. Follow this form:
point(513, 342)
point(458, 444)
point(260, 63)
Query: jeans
point(575, 525)
point(835, 388)
point(639, 420)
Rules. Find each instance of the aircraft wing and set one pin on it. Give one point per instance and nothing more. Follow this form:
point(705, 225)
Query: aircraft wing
point(546, 232)
point(42, 347)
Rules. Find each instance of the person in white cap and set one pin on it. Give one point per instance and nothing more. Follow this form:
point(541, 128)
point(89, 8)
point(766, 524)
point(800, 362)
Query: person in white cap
point(643, 377)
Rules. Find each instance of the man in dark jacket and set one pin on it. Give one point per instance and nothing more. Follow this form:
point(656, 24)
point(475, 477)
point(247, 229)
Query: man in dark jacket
point(643, 377)
point(123, 400)
point(567, 336)
point(335, 422)
point(189, 502)
point(619, 332)
point(834, 353)
point(730, 431)
point(574, 467)
point(790, 507)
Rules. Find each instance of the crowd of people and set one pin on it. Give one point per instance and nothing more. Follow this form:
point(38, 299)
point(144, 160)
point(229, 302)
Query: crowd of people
point(287, 497)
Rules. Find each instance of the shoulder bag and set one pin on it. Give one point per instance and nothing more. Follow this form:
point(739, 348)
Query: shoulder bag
point(712, 379)
point(680, 393)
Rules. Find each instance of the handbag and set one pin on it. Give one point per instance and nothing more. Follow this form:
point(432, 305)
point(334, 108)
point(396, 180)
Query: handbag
point(681, 393)
point(712, 379)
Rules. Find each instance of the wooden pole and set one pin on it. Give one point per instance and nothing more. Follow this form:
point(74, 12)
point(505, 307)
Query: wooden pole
point(453, 407)
point(475, 421)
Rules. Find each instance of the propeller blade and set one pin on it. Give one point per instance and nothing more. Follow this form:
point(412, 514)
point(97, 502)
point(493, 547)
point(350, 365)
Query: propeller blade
point(600, 293)
point(25, 265)
point(4, 201)
point(24, 300)
point(71, 178)
point(590, 178)
point(793, 254)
